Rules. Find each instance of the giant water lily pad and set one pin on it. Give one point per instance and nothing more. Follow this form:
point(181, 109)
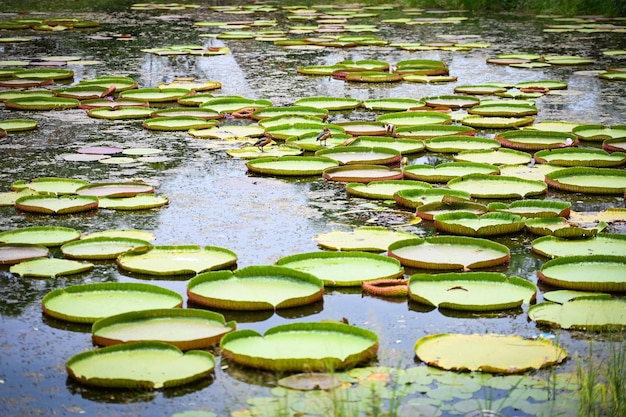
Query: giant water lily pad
point(264, 113)
point(614, 145)
point(449, 252)
point(203, 113)
point(404, 146)
point(140, 365)
point(430, 131)
point(364, 128)
point(531, 171)
point(155, 95)
point(588, 180)
point(228, 132)
point(365, 238)
point(586, 273)
point(282, 132)
point(383, 190)
point(503, 110)
point(172, 123)
point(252, 152)
point(18, 125)
point(315, 346)
point(85, 92)
point(570, 157)
point(40, 235)
point(413, 118)
point(177, 260)
point(362, 173)
point(497, 186)
point(120, 83)
point(341, 269)
point(428, 211)
point(457, 143)
point(563, 296)
point(447, 171)
point(102, 247)
point(120, 112)
point(184, 328)
point(494, 156)
point(136, 202)
point(291, 165)
point(51, 185)
point(392, 104)
point(601, 244)
point(452, 101)
point(239, 106)
point(534, 140)
point(45, 204)
point(472, 291)
point(496, 122)
point(41, 103)
point(413, 198)
point(49, 267)
point(13, 253)
point(115, 189)
point(86, 303)
point(329, 103)
point(560, 227)
point(586, 313)
point(255, 288)
point(599, 133)
point(471, 224)
point(44, 74)
point(533, 208)
point(309, 142)
point(491, 353)
point(359, 155)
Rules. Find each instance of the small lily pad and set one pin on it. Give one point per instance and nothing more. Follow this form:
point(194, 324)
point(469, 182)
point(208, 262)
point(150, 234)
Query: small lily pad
point(49, 267)
point(14, 253)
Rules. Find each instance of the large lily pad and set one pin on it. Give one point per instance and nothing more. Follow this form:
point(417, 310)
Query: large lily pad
point(85, 92)
point(570, 157)
point(471, 224)
point(50, 185)
point(240, 107)
point(430, 131)
point(203, 113)
point(176, 260)
point(115, 189)
point(282, 132)
point(384, 190)
point(184, 328)
point(362, 173)
point(44, 204)
point(503, 110)
point(344, 269)
point(497, 186)
point(458, 143)
point(49, 267)
point(102, 247)
point(40, 235)
point(264, 113)
point(329, 103)
point(601, 244)
point(452, 101)
point(586, 273)
point(137, 202)
point(228, 132)
point(14, 253)
point(473, 291)
point(365, 238)
point(120, 112)
point(359, 155)
point(449, 252)
point(252, 152)
point(316, 346)
point(491, 353)
point(155, 95)
point(447, 171)
point(291, 165)
point(560, 227)
point(533, 208)
point(404, 146)
point(18, 125)
point(588, 180)
point(41, 103)
point(86, 303)
point(140, 365)
point(495, 156)
point(392, 104)
point(255, 288)
point(599, 133)
point(533, 140)
point(496, 122)
point(586, 313)
point(173, 123)
point(414, 118)
point(428, 211)
point(413, 198)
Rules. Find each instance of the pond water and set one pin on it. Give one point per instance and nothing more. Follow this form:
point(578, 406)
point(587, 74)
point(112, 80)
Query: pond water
point(215, 201)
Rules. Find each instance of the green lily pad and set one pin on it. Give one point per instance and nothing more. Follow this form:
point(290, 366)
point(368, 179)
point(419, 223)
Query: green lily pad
point(364, 128)
point(291, 165)
point(428, 211)
point(120, 83)
point(227, 132)
point(365, 238)
point(255, 288)
point(373, 77)
point(581, 157)
point(447, 171)
point(114, 189)
point(470, 224)
point(486, 89)
point(384, 190)
point(140, 365)
point(309, 142)
point(595, 314)
point(531, 171)
point(472, 291)
point(176, 260)
point(252, 152)
point(113, 104)
point(392, 104)
point(329, 103)
point(560, 227)
point(291, 119)
point(18, 125)
point(344, 269)
point(315, 346)
point(120, 112)
point(85, 92)
point(40, 235)
point(496, 122)
point(490, 353)
point(452, 101)
point(44, 204)
point(174, 123)
point(413, 198)
point(264, 113)
point(563, 296)
point(362, 173)
point(431, 131)
point(496, 157)
point(49, 267)
point(235, 105)
point(86, 303)
point(404, 146)
point(497, 186)
point(601, 244)
point(456, 143)
point(44, 74)
point(184, 328)
point(98, 248)
point(360, 155)
point(10, 94)
point(553, 126)
point(588, 180)
point(598, 133)
point(549, 84)
point(414, 118)
point(535, 140)
point(50, 185)
point(124, 233)
point(503, 110)
point(614, 145)
point(207, 114)
point(533, 208)
point(586, 273)
point(449, 252)
point(155, 95)
point(282, 132)
point(14, 253)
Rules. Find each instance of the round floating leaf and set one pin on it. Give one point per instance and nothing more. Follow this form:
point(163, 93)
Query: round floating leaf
point(114, 189)
point(455, 144)
point(496, 122)
point(40, 235)
point(14, 253)
point(282, 132)
point(614, 145)
point(366, 238)
point(404, 146)
point(448, 170)
point(255, 288)
point(184, 328)
point(586, 313)
point(384, 190)
point(533, 208)
point(102, 247)
point(497, 186)
point(488, 353)
point(413, 198)
point(124, 233)
point(373, 77)
point(362, 173)
point(85, 92)
point(534, 140)
point(588, 180)
point(10, 94)
point(359, 155)
point(309, 381)
point(86, 303)
point(472, 291)
point(449, 252)
point(454, 101)
point(120, 83)
point(155, 95)
point(586, 273)
point(202, 113)
point(470, 224)
point(178, 123)
point(177, 260)
point(430, 210)
point(558, 226)
point(363, 128)
point(41, 103)
point(252, 152)
point(496, 157)
point(239, 106)
point(329, 103)
point(227, 132)
point(553, 126)
point(581, 157)
point(392, 104)
point(322, 346)
point(49, 267)
point(430, 131)
point(601, 244)
point(413, 118)
point(599, 133)
point(479, 89)
point(503, 110)
point(563, 296)
point(291, 165)
point(289, 110)
point(549, 84)
point(51, 185)
point(137, 202)
point(120, 112)
point(140, 365)
point(341, 269)
point(56, 205)
point(535, 172)
point(9, 198)
point(111, 104)
point(44, 74)
point(18, 125)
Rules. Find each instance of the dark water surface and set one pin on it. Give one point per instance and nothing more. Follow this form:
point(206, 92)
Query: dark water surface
point(215, 201)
